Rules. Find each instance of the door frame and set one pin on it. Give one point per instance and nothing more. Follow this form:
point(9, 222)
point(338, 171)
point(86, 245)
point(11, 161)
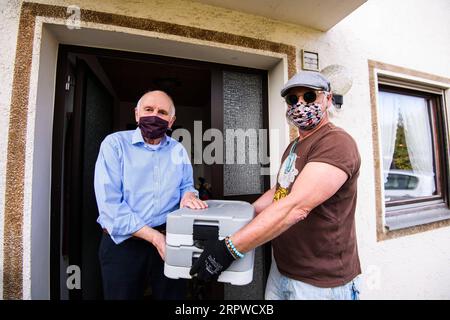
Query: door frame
point(215, 118)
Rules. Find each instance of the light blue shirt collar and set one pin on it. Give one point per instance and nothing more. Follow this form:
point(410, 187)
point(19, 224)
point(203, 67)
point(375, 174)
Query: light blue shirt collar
point(138, 139)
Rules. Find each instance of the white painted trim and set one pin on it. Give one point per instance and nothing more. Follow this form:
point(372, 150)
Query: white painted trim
point(28, 179)
point(278, 127)
point(411, 78)
point(37, 183)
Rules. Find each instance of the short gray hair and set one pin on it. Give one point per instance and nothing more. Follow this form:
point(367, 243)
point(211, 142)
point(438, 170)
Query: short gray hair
point(172, 105)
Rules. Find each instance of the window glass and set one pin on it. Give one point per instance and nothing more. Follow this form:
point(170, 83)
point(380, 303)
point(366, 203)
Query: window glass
point(407, 147)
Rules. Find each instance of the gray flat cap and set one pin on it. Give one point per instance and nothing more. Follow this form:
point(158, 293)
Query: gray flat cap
point(309, 79)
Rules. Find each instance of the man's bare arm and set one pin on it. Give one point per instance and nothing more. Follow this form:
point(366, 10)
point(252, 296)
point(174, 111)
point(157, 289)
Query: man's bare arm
point(316, 183)
point(264, 201)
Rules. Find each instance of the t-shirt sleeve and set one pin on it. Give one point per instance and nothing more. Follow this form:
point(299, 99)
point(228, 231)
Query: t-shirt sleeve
point(337, 149)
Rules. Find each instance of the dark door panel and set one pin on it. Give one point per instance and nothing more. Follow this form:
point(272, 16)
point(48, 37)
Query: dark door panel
point(93, 117)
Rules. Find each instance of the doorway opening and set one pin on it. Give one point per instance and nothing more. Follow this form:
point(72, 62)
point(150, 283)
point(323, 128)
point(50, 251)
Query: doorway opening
point(96, 92)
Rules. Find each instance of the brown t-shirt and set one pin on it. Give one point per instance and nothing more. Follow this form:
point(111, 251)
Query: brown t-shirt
point(321, 250)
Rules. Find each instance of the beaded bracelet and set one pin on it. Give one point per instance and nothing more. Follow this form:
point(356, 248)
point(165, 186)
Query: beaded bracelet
point(230, 250)
point(236, 252)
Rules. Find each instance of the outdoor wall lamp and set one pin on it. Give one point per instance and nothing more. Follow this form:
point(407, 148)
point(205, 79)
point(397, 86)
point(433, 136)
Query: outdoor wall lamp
point(340, 80)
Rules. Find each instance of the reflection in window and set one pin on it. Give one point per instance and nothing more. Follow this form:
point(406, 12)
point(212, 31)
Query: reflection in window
point(396, 181)
point(407, 148)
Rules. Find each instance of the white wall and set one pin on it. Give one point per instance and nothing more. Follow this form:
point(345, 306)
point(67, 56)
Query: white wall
point(407, 33)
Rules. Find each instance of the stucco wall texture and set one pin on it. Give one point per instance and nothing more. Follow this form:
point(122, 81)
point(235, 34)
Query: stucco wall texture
point(393, 32)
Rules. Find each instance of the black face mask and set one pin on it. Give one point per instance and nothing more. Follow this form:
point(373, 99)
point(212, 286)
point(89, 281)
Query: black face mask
point(153, 127)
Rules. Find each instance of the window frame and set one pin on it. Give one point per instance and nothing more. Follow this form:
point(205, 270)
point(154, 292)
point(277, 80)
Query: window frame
point(410, 218)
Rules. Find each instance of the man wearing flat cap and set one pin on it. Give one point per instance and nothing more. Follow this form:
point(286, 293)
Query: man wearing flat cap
point(310, 214)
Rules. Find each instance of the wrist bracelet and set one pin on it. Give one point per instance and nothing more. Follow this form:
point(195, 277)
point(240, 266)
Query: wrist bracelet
point(233, 248)
point(230, 250)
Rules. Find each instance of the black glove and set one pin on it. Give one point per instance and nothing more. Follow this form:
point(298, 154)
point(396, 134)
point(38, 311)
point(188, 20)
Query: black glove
point(214, 259)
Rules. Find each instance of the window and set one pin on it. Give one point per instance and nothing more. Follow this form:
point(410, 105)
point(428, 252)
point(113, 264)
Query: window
point(408, 151)
point(413, 154)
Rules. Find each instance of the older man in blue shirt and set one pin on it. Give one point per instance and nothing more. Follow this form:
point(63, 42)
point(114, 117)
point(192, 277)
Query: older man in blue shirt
point(140, 176)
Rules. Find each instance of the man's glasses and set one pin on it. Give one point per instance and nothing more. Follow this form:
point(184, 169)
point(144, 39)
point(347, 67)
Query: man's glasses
point(308, 97)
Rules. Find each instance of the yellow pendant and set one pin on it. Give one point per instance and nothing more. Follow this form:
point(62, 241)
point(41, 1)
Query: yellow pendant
point(280, 193)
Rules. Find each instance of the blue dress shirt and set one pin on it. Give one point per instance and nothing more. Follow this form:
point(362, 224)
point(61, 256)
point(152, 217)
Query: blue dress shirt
point(138, 184)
